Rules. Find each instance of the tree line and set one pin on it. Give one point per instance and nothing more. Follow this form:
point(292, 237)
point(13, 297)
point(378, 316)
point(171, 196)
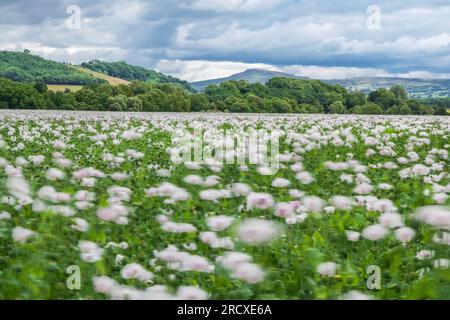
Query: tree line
point(279, 95)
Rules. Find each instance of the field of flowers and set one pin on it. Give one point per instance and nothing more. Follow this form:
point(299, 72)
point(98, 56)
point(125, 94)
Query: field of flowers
point(96, 206)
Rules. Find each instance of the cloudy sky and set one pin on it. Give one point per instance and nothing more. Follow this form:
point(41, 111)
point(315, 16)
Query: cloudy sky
point(203, 39)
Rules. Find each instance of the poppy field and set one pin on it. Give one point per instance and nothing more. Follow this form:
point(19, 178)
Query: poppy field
point(97, 205)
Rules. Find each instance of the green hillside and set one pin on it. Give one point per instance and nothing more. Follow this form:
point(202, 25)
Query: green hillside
point(26, 67)
point(123, 70)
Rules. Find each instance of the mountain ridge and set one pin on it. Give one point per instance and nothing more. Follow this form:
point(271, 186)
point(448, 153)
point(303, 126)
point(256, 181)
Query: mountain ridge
point(416, 87)
point(253, 75)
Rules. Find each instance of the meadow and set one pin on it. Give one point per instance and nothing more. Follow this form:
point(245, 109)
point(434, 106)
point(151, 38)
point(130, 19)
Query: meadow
point(94, 205)
point(64, 87)
point(74, 88)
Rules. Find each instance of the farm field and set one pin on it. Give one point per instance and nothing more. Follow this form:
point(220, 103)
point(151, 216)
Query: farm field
point(74, 88)
point(111, 80)
point(101, 205)
point(63, 87)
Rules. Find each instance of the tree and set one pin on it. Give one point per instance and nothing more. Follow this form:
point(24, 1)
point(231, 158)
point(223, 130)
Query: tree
point(26, 67)
point(178, 101)
point(40, 87)
point(416, 107)
point(382, 97)
point(256, 103)
point(355, 98)
point(337, 107)
point(393, 110)
point(15, 95)
point(229, 88)
point(399, 93)
point(154, 100)
point(368, 108)
point(280, 105)
point(441, 111)
point(134, 104)
point(199, 102)
point(117, 103)
point(123, 70)
point(15, 74)
point(404, 109)
point(307, 108)
point(371, 108)
point(357, 110)
point(279, 95)
point(240, 105)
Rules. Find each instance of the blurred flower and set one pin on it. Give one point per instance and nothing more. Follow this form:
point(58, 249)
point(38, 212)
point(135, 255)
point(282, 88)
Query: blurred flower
point(20, 234)
point(256, 231)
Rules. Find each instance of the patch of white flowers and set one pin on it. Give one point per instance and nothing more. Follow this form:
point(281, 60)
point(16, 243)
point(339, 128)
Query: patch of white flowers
point(113, 194)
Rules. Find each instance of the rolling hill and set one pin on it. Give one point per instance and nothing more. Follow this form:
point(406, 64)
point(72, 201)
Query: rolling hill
point(74, 88)
point(129, 72)
point(29, 68)
point(111, 80)
point(417, 88)
point(250, 75)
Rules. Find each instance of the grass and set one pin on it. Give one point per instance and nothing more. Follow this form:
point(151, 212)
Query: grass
point(63, 87)
point(111, 80)
point(74, 88)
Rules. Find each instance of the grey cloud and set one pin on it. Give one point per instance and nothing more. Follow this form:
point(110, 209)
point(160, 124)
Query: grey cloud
point(415, 36)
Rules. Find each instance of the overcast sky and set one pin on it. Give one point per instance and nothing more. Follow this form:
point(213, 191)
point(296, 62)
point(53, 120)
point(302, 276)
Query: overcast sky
point(203, 39)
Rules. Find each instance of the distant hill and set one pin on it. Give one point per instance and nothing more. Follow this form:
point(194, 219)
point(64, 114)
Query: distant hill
point(417, 88)
point(26, 67)
point(250, 75)
point(129, 72)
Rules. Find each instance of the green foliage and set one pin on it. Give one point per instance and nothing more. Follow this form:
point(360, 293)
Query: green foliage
point(399, 93)
point(25, 67)
point(199, 102)
point(441, 111)
point(14, 95)
point(438, 102)
point(382, 97)
point(337, 107)
point(280, 95)
point(117, 103)
point(123, 70)
point(40, 87)
point(355, 98)
point(403, 109)
point(280, 106)
point(368, 108)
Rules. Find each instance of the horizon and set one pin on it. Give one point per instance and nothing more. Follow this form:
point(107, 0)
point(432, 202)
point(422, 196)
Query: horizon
point(250, 69)
point(198, 40)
